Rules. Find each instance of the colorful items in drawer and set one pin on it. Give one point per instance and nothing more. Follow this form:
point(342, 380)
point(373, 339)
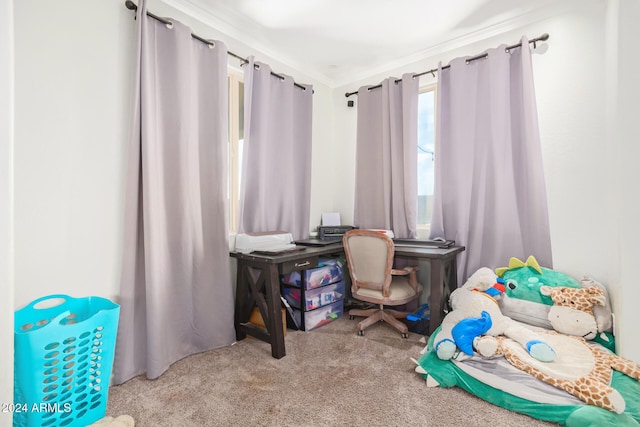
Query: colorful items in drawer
point(320, 317)
point(330, 270)
point(316, 297)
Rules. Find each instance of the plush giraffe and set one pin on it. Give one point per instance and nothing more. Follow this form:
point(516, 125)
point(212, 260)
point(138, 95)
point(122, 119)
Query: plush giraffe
point(572, 310)
point(581, 369)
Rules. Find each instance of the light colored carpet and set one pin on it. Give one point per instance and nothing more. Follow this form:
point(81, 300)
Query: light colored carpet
point(120, 421)
point(329, 377)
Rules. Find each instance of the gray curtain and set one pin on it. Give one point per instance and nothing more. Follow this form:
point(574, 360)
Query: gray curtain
point(386, 187)
point(275, 190)
point(490, 191)
point(176, 295)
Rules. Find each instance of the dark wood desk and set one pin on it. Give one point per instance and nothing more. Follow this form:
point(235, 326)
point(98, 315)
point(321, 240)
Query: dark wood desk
point(258, 285)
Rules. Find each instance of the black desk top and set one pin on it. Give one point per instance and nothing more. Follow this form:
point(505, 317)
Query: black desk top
point(432, 252)
point(291, 256)
point(412, 250)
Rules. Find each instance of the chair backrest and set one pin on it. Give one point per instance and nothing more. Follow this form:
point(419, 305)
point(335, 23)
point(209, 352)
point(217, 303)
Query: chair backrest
point(370, 258)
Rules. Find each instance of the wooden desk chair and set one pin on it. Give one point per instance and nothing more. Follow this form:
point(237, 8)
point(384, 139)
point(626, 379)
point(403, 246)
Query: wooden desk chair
point(373, 279)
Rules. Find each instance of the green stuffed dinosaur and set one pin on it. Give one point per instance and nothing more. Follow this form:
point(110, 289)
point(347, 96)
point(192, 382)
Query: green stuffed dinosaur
point(522, 299)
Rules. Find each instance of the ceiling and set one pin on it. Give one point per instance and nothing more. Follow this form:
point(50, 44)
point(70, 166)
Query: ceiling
point(341, 41)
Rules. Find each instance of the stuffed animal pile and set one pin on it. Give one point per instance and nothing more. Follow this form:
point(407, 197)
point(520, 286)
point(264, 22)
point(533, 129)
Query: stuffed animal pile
point(561, 357)
point(581, 369)
point(475, 313)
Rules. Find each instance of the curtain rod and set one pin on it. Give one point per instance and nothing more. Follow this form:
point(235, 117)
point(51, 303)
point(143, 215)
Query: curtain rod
point(132, 6)
point(543, 37)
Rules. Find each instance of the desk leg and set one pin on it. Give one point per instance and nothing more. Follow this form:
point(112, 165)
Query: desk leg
point(242, 295)
point(452, 275)
point(250, 283)
point(444, 275)
point(274, 323)
point(437, 295)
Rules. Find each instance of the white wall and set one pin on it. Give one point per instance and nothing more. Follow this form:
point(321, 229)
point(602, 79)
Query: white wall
point(626, 133)
point(591, 209)
point(72, 85)
point(6, 207)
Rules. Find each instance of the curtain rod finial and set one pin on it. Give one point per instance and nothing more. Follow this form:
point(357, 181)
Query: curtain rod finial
point(544, 37)
point(130, 5)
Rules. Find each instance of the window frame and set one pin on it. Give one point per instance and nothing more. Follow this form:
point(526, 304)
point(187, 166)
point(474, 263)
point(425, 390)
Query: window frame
point(235, 78)
point(423, 230)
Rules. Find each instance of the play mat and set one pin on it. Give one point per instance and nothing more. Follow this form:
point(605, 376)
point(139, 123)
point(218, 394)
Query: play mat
point(537, 342)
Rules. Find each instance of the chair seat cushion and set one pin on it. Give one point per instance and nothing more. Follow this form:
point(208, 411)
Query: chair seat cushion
point(399, 291)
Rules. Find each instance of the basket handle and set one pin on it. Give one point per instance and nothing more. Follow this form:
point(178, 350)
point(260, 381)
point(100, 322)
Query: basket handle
point(32, 304)
point(54, 313)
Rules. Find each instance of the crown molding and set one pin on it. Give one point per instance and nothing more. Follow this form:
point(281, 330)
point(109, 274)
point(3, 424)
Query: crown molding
point(508, 25)
point(243, 36)
point(252, 40)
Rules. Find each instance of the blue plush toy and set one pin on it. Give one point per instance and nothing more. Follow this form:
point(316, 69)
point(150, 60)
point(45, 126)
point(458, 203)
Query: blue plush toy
point(466, 330)
point(476, 312)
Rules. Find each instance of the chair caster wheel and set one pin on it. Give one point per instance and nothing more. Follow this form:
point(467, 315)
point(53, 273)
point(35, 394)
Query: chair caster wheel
point(360, 333)
point(405, 336)
point(352, 317)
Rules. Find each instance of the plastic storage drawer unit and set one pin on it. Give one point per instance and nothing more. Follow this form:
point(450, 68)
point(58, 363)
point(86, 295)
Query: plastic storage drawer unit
point(330, 270)
point(321, 316)
point(315, 298)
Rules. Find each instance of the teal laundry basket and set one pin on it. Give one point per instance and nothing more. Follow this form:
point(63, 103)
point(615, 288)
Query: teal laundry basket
point(64, 350)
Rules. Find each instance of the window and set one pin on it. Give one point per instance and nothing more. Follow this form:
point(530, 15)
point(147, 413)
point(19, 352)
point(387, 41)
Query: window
point(236, 138)
point(426, 149)
point(426, 157)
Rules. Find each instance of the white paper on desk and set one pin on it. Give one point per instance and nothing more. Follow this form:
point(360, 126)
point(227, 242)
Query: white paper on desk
point(331, 218)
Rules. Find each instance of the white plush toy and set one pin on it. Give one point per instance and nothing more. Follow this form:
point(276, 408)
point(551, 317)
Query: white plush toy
point(475, 312)
point(572, 310)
